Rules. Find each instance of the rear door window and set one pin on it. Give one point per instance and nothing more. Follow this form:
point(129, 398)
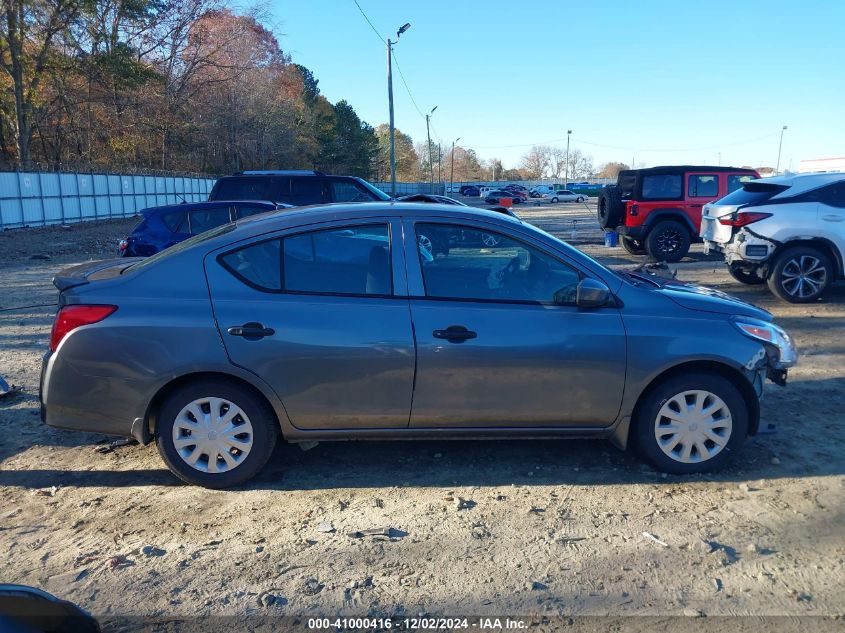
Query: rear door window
point(204, 220)
point(662, 187)
point(306, 190)
point(243, 188)
point(176, 221)
point(349, 261)
point(703, 186)
point(349, 191)
point(258, 265)
point(735, 181)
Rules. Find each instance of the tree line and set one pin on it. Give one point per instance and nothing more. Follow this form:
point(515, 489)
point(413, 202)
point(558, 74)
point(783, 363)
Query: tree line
point(192, 86)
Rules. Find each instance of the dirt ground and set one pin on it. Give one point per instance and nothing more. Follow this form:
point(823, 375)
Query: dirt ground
point(547, 529)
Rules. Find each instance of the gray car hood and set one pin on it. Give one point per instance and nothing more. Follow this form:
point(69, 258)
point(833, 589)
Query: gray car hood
point(703, 299)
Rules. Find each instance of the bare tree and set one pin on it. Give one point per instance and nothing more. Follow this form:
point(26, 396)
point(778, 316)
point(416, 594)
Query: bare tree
point(611, 170)
point(535, 163)
point(580, 165)
point(557, 162)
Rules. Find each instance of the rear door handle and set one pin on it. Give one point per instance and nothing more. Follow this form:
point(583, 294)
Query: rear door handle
point(832, 217)
point(251, 331)
point(455, 334)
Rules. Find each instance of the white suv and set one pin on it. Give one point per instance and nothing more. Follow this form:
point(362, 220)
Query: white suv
point(786, 231)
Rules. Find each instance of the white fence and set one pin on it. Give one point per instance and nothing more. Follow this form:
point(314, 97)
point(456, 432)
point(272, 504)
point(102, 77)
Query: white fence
point(43, 198)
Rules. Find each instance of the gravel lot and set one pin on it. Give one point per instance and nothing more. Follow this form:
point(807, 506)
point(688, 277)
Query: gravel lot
point(546, 528)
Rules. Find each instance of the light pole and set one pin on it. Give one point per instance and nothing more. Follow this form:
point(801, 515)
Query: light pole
point(452, 160)
point(439, 165)
point(566, 167)
point(428, 135)
point(390, 44)
point(780, 146)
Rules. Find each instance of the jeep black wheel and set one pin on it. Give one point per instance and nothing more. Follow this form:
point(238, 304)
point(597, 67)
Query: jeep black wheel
point(610, 208)
point(746, 275)
point(635, 247)
point(668, 241)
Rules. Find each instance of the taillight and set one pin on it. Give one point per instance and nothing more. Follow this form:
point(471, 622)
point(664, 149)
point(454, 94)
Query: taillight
point(73, 316)
point(743, 219)
point(123, 244)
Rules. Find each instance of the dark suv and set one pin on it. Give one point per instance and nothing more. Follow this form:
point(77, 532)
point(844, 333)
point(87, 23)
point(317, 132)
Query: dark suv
point(295, 187)
point(658, 210)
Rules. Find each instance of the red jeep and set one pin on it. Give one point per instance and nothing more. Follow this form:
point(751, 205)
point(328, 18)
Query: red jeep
point(658, 210)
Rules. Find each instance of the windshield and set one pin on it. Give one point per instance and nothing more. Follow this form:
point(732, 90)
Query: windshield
point(378, 193)
point(182, 246)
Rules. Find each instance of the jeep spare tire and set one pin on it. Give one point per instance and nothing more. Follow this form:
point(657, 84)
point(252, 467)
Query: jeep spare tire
point(610, 207)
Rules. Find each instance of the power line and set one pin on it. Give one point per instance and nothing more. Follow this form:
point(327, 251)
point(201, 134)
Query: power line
point(369, 22)
point(405, 83)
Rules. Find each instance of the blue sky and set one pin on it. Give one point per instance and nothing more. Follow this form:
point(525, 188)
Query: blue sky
point(696, 77)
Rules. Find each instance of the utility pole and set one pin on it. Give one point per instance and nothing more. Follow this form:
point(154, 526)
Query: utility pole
point(780, 146)
point(452, 161)
point(566, 167)
point(439, 164)
point(390, 44)
point(430, 163)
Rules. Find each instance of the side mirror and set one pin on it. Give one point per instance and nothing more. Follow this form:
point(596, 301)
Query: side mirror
point(592, 293)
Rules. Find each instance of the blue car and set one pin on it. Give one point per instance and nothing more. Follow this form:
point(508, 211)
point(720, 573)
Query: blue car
point(171, 224)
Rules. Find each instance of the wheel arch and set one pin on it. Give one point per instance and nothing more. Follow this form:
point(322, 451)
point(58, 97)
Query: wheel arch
point(821, 243)
point(730, 373)
point(678, 215)
point(151, 416)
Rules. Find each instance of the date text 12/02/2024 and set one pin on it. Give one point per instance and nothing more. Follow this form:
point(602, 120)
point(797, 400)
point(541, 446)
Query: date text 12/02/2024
point(419, 623)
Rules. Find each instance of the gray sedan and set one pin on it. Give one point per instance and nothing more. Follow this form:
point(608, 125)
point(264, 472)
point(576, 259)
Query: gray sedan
point(337, 322)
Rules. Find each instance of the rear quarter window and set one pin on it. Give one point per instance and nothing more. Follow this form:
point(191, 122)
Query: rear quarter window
point(176, 221)
point(662, 187)
point(243, 188)
point(752, 193)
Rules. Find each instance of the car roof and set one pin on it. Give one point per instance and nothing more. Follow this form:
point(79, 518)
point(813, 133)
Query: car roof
point(800, 182)
point(200, 206)
point(673, 169)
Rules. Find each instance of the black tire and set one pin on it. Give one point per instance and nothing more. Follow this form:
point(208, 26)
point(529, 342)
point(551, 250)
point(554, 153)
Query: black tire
point(635, 247)
point(645, 423)
point(265, 431)
point(610, 211)
point(813, 266)
point(668, 241)
point(745, 276)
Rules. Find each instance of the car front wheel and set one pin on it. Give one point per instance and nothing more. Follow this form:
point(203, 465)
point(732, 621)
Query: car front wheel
point(214, 433)
point(554, 199)
point(691, 423)
point(800, 274)
point(581, 199)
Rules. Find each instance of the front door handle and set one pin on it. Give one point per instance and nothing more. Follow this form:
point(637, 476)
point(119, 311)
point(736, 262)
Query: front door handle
point(832, 217)
point(455, 334)
point(251, 331)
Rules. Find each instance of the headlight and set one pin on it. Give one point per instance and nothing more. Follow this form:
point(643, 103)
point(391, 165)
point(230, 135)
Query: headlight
point(772, 335)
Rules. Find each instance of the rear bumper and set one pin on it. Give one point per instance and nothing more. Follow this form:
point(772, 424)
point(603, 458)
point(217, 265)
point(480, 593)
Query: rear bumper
point(745, 247)
point(72, 401)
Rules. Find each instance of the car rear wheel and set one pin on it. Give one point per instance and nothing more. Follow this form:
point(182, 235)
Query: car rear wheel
point(800, 274)
point(215, 434)
point(668, 241)
point(745, 275)
point(691, 423)
point(635, 247)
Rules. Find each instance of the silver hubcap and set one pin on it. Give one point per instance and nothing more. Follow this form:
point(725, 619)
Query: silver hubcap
point(804, 276)
point(693, 426)
point(212, 435)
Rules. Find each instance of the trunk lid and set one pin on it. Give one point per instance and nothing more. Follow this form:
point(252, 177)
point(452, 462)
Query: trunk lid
point(91, 271)
point(711, 229)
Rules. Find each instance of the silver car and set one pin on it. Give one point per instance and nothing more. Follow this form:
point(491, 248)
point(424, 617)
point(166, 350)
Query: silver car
point(337, 322)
